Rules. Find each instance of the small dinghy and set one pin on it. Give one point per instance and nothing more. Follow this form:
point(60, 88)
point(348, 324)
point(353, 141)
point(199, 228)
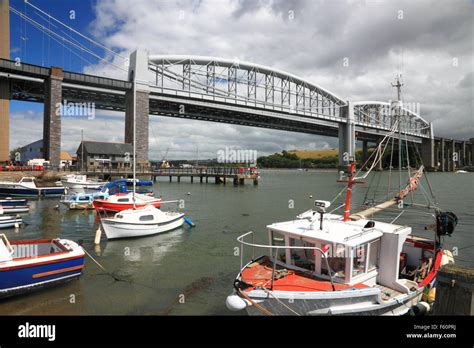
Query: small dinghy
point(10, 221)
point(141, 222)
point(26, 265)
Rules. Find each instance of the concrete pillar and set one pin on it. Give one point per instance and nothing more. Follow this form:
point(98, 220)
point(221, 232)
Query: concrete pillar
point(427, 150)
point(346, 135)
point(4, 84)
point(464, 162)
point(138, 70)
point(443, 155)
point(52, 116)
point(453, 151)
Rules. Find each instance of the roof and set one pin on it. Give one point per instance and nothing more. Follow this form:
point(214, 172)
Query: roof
point(65, 156)
point(105, 148)
point(351, 233)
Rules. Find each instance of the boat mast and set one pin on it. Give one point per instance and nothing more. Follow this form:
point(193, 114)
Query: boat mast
point(134, 136)
point(398, 85)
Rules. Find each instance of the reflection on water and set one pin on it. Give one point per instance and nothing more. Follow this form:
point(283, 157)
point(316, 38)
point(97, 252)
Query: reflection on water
point(199, 263)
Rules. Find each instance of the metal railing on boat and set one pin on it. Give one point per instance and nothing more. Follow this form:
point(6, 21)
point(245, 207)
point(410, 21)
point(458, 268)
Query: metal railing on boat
point(240, 239)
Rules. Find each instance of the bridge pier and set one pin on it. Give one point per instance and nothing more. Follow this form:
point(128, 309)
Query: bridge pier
point(138, 70)
point(428, 150)
point(4, 83)
point(52, 117)
point(443, 156)
point(346, 134)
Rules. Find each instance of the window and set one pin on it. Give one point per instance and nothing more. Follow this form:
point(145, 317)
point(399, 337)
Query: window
point(359, 259)
point(374, 254)
point(146, 218)
point(84, 198)
point(122, 200)
point(336, 257)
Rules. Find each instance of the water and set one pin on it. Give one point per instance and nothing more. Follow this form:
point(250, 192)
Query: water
point(190, 271)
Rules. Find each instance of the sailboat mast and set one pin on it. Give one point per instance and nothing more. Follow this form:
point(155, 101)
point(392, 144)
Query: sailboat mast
point(134, 136)
point(399, 114)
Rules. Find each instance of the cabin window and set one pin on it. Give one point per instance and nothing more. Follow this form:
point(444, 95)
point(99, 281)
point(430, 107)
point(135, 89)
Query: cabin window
point(122, 200)
point(374, 251)
point(303, 258)
point(359, 259)
point(146, 218)
point(336, 257)
point(119, 216)
point(84, 198)
point(27, 180)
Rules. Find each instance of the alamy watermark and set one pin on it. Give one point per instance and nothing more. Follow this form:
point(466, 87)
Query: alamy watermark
point(75, 109)
point(230, 155)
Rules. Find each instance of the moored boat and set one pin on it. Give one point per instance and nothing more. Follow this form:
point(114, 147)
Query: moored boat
point(27, 187)
point(10, 221)
point(124, 201)
point(26, 265)
point(75, 183)
point(140, 222)
point(14, 209)
point(9, 201)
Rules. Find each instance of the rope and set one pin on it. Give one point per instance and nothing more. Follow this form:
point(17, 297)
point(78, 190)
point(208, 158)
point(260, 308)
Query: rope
point(281, 302)
point(267, 312)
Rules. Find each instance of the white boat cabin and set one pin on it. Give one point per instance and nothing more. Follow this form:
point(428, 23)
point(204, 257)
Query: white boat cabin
point(352, 249)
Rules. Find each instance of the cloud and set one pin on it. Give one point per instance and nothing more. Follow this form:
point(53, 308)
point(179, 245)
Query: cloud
point(430, 42)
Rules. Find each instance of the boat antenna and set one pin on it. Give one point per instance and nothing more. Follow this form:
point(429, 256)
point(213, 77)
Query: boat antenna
point(399, 85)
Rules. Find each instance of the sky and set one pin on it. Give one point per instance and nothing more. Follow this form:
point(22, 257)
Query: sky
point(351, 48)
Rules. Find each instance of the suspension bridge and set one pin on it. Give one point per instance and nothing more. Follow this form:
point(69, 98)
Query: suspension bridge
point(207, 89)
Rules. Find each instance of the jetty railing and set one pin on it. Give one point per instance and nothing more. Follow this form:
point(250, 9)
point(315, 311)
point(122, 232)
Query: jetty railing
point(240, 239)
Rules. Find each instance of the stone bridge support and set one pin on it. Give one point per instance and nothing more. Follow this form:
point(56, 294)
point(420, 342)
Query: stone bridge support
point(428, 151)
point(52, 117)
point(138, 70)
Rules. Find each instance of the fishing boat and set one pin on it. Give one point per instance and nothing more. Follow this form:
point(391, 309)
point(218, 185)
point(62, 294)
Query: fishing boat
point(26, 265)
point(10, 221)
point(140, 222)
point(123, 201)
point(9, 201)
point(14, 209)
point(75, 183)
point(27, 187)
point(323, 263)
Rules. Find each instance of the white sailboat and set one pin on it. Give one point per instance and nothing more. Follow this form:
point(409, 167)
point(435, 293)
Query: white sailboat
point(140, 221)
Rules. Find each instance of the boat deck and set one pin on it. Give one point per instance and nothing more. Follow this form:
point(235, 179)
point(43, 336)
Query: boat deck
point(387, 293)
point(259, 274)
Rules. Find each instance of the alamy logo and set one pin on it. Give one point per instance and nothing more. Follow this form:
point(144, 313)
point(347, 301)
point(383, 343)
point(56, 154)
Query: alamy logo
point(37, 331)
point(229, 155)
point(76, 109)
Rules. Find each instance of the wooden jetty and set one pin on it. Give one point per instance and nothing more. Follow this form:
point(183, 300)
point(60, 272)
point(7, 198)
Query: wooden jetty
point(218, 175)
point(454, 291)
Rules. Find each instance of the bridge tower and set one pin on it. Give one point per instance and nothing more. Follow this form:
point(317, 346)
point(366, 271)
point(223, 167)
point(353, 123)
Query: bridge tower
point(346, 135)
point(4, 84)
point(138, 71)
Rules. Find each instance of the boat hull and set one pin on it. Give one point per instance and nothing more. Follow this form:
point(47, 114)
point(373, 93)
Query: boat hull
point(116, 207)
point(8, 223)
point(20, 277)
point(12, 202)
point(31, 192)
point(114, 230)
point(15, 209)
point(349, 302)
